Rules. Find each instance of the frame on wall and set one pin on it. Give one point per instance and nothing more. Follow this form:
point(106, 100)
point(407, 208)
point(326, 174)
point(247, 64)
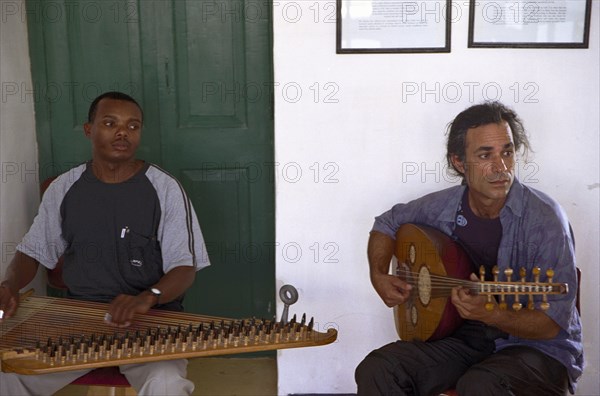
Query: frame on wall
point(400, 26)
point(529, 24)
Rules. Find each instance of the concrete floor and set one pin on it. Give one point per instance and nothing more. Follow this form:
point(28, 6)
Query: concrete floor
point(212, 376)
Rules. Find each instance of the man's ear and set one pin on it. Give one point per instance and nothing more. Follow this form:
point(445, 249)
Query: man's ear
point(87, 129)
point(458, 163)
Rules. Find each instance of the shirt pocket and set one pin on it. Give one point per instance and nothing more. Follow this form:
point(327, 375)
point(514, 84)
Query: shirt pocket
point(143, 265)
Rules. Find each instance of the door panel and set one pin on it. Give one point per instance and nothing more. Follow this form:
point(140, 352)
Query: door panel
point(81, 59)
point(190, 64)
point(213, 139)
point(228, 233)
point(207, 59)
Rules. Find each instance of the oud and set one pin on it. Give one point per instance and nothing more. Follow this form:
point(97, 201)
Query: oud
point(434, 264)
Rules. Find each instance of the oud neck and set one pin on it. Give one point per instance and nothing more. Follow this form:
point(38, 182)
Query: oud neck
point(512, 288)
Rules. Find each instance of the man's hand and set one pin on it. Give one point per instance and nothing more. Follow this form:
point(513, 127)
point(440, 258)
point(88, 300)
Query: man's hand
point(9, 300)
point(124, 307)
point(391, 289)
point(470, 306)
point(525, 323)
point(20, 272)
point(172, 285)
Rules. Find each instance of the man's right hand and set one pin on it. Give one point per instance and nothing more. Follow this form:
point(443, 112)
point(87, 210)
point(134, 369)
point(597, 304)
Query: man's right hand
point(9, 300)
point(391, 289)
point(20, 272)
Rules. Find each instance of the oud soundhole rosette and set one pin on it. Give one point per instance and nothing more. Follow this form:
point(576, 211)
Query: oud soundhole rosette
point(412, 254)
point(424, 285)
point(414, 315)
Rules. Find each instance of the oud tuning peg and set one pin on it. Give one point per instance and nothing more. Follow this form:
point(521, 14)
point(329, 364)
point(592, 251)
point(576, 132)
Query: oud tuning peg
point(545, 305)
point(489, 305)
point(536, 274)
point(502, 303)
point(495, 271)
point(523, 275)
point(536, 278)
point(508, 273)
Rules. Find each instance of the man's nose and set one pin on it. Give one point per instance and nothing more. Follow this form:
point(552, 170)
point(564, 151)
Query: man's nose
point(500, 165)
point(122, 130)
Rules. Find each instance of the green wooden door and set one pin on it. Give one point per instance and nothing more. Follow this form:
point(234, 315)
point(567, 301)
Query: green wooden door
point(202, 71)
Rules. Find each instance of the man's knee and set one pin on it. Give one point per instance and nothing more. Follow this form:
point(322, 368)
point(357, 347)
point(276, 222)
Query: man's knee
point(480, 382)
point(168, 371)
point(379, 374)
point(373, 366)
point(159, 378)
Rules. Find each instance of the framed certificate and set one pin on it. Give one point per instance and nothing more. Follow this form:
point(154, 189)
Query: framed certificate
point(529, 24)
point(393, 26)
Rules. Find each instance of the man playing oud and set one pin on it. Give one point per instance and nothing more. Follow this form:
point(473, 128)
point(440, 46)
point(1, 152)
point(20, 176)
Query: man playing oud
point(502, 222)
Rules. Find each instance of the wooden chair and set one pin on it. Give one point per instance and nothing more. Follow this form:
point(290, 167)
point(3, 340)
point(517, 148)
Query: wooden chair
point(106, 381)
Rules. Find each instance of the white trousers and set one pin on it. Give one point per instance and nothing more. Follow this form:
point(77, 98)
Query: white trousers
point(164, 378)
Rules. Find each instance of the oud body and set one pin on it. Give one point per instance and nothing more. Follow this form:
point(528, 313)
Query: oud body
point(434, 264)
point(420, 253)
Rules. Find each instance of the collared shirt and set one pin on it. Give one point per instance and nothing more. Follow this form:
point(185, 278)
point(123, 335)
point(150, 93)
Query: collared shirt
point(536, 233)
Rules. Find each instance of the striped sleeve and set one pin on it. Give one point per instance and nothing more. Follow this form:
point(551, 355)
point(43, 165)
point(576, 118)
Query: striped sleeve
point(44, 241)
point(179, 233)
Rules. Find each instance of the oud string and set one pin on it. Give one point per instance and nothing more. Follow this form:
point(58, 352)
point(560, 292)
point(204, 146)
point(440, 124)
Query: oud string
point(444, 284)
point(438, 281)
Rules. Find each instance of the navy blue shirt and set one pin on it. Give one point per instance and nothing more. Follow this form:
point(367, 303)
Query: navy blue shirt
point(480, 237)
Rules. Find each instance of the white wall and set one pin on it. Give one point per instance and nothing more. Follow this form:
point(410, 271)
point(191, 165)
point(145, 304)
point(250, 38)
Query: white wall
point(19, 191)
point(379, 147)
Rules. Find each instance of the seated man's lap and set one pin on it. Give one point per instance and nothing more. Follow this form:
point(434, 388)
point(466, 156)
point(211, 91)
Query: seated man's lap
point(159, 377)
point(519, 371)
point(417, 367)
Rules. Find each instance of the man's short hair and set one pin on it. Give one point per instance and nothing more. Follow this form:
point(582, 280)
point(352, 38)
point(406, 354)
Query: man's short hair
point(478, 115)
point(110, 95)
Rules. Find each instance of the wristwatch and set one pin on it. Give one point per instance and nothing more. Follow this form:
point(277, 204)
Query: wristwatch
point(156, 292)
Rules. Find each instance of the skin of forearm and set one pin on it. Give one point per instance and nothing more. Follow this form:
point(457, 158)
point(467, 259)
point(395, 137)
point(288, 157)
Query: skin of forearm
point(380, 251)
point(123, 308)
point(21, 270)
point(524, 323)
point(174, 283)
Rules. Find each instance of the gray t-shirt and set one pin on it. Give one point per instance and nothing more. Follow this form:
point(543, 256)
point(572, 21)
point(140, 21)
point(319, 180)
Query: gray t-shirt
point(115, 238)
